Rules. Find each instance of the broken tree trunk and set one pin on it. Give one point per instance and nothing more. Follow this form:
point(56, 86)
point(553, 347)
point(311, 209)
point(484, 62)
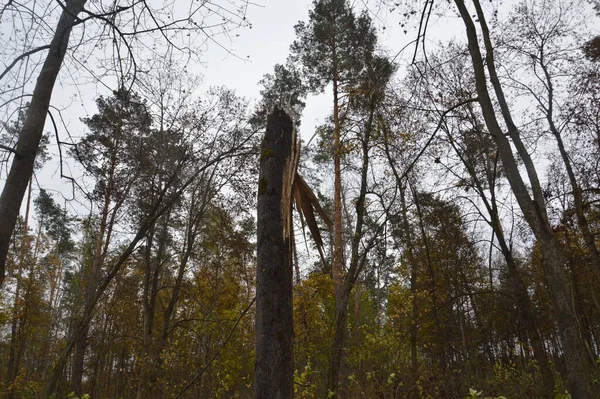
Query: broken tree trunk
point(274, 323)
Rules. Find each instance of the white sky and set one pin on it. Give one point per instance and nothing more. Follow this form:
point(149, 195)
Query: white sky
point(272, 33)
point(265, 45)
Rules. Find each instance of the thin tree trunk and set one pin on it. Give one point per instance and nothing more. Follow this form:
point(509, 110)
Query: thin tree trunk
point(584, 227)
point(343, 298)
point(149, 301)
point(80, 345)
point(90, 282)
point(151, 350)
point(579, 369)
point(274, 318)
point(16, 335)
point(356, 325)
point(338, 243)
point(413, 333)
point(21, 169)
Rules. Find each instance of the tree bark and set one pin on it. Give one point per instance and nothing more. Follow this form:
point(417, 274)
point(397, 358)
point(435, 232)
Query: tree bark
point(21, 169)
point(16, 334)
point(413, 333)
point(338, 243)
point(579, 369)
point(274, 318)
point(348, 281)
point(151, 350)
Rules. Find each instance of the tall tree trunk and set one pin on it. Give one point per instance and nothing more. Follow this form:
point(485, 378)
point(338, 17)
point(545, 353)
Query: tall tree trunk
point(584, 227)
point(274, 305)
point(21, 169)
point(579, 369)
point(413, 333)
point(356, 263)
point(151, 351)
point(80, 344)
point(338, 243)
point(90, 281)
point(17, 342)
point(149, 301)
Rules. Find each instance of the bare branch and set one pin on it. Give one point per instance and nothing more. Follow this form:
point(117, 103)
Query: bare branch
point(8, 4)
point(212, 359)
point(22, 56)
point(439, 125)
point(9, 149)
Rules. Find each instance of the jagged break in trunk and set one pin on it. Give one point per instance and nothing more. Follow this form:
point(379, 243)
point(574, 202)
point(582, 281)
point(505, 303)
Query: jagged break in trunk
point(274, 321)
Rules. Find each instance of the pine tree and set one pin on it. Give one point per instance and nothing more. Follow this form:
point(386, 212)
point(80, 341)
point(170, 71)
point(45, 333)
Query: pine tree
point(335, 47)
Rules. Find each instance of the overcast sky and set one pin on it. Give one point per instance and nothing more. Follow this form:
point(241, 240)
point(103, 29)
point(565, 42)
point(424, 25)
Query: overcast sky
point(260, 48)
point(272, 33)
point(255, 52)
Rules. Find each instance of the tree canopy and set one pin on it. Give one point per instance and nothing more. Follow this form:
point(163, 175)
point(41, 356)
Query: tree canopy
point(451, 192)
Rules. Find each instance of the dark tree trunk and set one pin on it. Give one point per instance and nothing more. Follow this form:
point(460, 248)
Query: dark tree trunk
point(21, 169)
point(413, 288)
point(274, 321)
point(152, 348)
point(78, 365)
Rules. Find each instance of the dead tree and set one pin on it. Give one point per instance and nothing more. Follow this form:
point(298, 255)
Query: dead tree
point(279, 185)
point(274, 322)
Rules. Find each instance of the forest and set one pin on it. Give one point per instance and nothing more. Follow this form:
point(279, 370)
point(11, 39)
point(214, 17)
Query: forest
point(443, 233)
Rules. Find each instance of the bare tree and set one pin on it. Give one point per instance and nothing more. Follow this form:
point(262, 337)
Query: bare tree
point(541, 37)
point(579, 368)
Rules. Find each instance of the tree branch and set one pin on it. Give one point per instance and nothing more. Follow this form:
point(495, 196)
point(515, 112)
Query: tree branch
point(239, 319)
point(439, 125)
point(24, 55)
point(9, 149)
